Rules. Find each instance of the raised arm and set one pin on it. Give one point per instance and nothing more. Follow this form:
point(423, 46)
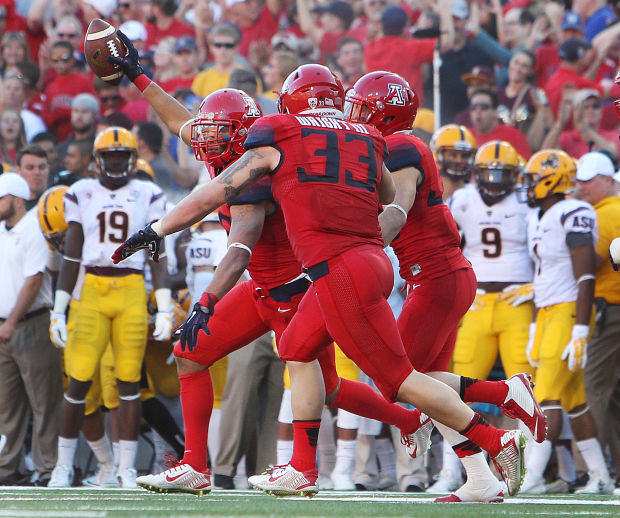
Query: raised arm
point(306, 22)
point(171, 111)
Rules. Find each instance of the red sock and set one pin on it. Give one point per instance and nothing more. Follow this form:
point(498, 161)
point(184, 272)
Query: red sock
point(466, 449)
point(361, 399)
point(479, 391)
point(483, 434)
point(197, 403)
point(305, 439)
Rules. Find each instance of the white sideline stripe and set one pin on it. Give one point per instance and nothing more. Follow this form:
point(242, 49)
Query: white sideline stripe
point(79, 514)
point(100, 34)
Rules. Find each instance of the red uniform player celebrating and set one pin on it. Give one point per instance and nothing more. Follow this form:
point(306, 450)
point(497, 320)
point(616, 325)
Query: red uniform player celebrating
point(328, 178)
point(441, 284)
point(258, 242)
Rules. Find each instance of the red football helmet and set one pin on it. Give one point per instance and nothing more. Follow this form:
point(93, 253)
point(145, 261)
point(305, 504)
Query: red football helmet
point(312, 90)
point(221, 126)
point(383, 99)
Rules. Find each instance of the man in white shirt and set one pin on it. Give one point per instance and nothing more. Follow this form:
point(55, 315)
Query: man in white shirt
point(30, 366)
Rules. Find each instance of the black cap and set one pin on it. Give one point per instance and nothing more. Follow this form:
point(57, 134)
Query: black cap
point(574, 49)
point(393, 20)
point(341, 9)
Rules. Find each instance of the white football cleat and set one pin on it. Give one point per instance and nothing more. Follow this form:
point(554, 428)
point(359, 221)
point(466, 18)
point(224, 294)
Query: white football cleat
point(533, 485)
point(598, 484)
point(489, 493)
point(447, 482)
point(287, 481)
point(104, 477)
point(265, 475)
point(520, 403)
point(62, 476)
point(342, 482)
point(419, 442)
point(127, 478)
point(510, 462)
point(180, 478)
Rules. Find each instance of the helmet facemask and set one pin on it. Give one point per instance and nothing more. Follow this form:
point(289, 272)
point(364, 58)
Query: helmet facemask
point(456, 163)
point(116, 165)
point(495, 183)
point(217, 142)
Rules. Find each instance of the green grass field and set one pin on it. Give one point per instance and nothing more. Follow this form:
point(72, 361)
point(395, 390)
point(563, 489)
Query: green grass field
point(94, 503)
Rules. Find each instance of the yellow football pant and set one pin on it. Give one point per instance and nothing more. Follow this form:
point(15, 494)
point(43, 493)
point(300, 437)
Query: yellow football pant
point(496, 327)
point(112, 310)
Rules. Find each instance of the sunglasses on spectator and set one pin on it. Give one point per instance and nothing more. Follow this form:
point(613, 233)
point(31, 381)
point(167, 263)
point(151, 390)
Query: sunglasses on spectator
point(480, 106)
point(377, 2)
point(109, 98)
point(223, 45)
point(67, 35)
point(594, 106)
point(62, 59)
point(124, 6)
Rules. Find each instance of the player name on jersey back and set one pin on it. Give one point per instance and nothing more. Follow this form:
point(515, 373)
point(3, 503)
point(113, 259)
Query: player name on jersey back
point(331, 123)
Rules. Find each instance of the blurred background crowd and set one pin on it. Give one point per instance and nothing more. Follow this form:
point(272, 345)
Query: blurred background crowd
point(537, 74)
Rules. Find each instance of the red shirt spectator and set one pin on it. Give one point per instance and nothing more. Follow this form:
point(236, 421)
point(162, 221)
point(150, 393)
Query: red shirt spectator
point(574, 56)
point(486, 125)
point(163, 23)
point(263, 29)
point(58, 94)
point(387, 53)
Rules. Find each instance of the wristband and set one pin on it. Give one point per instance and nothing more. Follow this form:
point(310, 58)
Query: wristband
point(190, 121)
point(580, 331)
point(156, 227)
point(397, 207)
point(586, 277)
point(242, 246)
point(163, 297)
point(61, 301)
point(208, 300)
point(142, 82)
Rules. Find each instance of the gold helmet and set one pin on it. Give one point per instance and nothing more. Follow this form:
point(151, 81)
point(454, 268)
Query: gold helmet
point(116, 152)
point(496, 170)
point(548, 172)
point(51, 211)
point(454, 147)
point(144, 167)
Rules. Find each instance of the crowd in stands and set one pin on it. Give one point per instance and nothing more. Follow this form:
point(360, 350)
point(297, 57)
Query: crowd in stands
point(538, 74)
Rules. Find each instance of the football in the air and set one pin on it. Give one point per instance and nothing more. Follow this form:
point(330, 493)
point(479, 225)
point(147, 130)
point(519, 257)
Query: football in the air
point(102, 41)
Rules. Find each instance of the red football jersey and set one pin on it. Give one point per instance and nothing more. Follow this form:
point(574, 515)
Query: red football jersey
point(273, 262)
point(428, 246)
point(325, 183)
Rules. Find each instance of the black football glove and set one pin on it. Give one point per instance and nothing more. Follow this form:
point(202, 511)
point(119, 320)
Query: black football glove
point(197, 320)
point(145, 239)
point(129, 64)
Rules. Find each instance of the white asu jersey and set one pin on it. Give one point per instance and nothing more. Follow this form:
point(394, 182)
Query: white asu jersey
point(495, 236)
point(554, 280)
point(203, 249)
point(108, 217)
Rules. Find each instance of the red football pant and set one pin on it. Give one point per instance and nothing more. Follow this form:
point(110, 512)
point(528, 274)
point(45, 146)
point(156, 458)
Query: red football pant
point(258, 316)
point(350, 305)
point(430, 318)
